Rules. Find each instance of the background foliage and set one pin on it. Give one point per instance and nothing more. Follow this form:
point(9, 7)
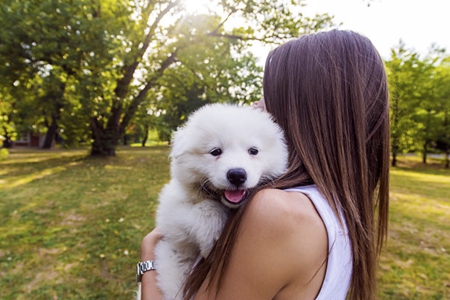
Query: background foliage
point(104, 73)
point(420, 102)
point(89, 70)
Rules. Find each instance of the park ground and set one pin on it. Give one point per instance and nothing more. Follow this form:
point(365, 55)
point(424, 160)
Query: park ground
point(71, 225)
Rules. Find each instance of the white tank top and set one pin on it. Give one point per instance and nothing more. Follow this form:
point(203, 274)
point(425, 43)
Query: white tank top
point(339, 265)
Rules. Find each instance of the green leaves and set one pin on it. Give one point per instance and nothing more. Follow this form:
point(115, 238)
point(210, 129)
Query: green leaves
point(116, 58)
point(419, 100)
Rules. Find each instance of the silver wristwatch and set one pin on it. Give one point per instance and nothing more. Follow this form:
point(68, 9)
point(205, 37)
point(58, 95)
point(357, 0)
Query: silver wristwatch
point(143, 267)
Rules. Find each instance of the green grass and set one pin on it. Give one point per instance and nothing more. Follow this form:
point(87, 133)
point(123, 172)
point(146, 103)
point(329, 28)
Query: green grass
point(416, 261)
point(71, 225)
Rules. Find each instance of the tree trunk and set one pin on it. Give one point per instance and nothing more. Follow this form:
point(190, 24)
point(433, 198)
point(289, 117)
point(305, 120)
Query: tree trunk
point(57, 99)
point(105, 141)
point(394, 159)
point(447, 139)
point(145, 136)
point(427, 134)
point(103, 147)
point(394, 152)
point(424, 154)
point(394, 129)
point(447, 159)
point(7, 143)
point(51, 133)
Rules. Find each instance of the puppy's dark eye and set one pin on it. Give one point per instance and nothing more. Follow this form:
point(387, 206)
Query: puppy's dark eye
point(253, 151)
point(216, 152)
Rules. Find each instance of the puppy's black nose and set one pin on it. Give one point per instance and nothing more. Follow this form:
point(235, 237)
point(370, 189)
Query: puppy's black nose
point(237, 176)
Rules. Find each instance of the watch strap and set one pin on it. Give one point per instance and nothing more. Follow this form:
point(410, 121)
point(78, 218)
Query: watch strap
point(143, 267)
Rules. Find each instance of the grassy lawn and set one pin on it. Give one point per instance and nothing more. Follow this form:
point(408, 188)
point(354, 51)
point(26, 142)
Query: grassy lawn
point(71, 225)
point(416, 261)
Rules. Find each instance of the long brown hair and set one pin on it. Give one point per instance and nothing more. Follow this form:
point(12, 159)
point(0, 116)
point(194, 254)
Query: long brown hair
point(328, 91)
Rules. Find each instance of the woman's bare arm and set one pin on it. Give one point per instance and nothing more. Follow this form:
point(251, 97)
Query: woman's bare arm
point(149, 289)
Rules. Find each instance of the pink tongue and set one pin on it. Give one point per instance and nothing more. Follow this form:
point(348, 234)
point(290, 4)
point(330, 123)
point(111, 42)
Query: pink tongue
point(235, 196)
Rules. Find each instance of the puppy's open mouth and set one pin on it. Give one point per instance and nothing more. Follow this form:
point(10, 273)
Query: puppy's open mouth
point(230, 198)
point(235, 197)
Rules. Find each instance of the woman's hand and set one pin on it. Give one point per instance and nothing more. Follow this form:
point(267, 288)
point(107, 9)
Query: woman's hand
point(259, 104)
point(149, 289)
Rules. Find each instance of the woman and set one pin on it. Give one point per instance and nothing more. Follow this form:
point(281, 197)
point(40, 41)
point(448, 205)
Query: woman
point(313, 233)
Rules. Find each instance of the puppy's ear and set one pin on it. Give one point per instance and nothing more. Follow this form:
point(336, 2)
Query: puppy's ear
point(179, 143)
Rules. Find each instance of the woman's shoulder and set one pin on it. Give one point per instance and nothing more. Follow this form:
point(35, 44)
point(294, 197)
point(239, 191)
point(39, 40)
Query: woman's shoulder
point(281, 210)
point(284, 229)
point(286, 220)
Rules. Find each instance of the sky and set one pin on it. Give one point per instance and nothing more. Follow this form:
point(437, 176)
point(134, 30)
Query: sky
point(417, 23)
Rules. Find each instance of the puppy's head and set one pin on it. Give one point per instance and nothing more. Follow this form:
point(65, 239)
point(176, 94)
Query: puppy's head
point(226, 150)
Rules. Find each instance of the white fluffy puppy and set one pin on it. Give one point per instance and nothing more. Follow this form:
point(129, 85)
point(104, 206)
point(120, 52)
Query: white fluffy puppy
point(221, 153)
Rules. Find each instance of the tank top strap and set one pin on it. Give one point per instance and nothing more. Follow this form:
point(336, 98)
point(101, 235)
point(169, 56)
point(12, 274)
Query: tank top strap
point(339, 264)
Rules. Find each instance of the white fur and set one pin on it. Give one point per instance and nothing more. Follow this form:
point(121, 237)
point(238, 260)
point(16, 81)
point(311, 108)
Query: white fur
point(189, 219)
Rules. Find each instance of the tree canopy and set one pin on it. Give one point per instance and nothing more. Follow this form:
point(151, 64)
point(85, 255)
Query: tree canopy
point(93, 71)
point(419, 99)
point(89, 67)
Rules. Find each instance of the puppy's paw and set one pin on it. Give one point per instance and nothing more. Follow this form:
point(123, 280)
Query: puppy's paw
point(211, 218)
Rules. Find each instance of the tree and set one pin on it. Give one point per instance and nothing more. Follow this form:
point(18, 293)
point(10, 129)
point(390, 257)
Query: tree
point(442, 86)
point(6, 125)
point(205, 74)
point(404, 75)
point(419, 93)
point(274, 22)
point(424, 113)
point(40, 50)
point(115, 52)
point(17, 110)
